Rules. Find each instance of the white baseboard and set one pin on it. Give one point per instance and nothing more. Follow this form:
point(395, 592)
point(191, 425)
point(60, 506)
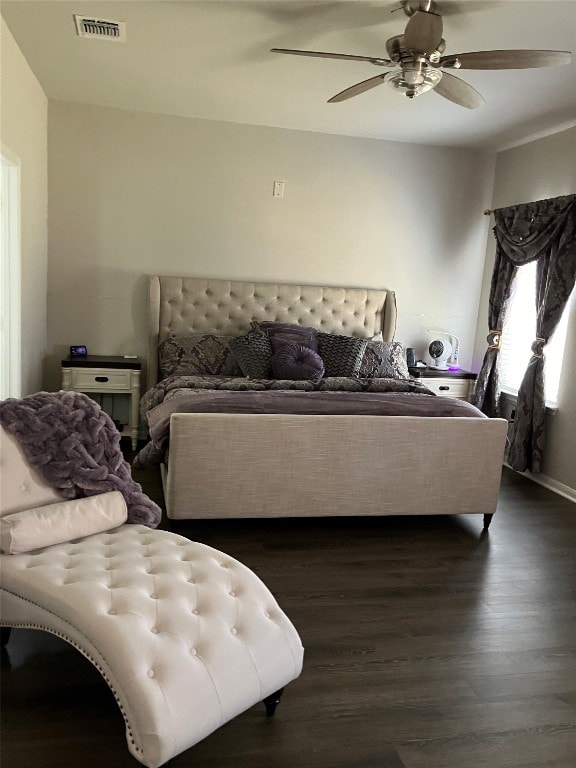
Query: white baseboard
point(550, 483)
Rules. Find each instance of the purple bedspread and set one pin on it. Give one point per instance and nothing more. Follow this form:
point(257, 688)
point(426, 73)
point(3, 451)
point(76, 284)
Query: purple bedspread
point(367, 397)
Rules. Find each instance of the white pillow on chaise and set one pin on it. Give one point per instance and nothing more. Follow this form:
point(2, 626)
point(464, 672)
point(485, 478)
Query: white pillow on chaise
point(44, 526)
point(34, 515)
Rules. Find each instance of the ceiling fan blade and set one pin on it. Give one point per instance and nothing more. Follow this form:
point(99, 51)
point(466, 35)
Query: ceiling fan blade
point(520, 59)
point(423, 32)
point(322, 55)
point(355, 90)
point(459, 92)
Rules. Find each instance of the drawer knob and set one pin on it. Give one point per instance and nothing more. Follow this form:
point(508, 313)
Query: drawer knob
point(101, 378)
point(444, 388)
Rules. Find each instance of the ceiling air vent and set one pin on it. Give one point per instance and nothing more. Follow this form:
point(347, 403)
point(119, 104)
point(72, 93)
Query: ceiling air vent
point(101, 28)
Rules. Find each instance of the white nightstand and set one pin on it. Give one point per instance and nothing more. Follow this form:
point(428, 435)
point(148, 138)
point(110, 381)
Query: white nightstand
point(459, 384)
point(97, 374)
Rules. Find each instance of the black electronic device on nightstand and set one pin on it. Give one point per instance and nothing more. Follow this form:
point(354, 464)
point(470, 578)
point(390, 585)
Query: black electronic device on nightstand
point(78, 351)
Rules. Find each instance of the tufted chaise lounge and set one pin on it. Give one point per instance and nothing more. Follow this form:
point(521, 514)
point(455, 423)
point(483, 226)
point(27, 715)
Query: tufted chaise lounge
point(185, 636)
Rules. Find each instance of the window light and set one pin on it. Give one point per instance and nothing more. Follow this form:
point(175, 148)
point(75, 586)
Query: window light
point(520, 331)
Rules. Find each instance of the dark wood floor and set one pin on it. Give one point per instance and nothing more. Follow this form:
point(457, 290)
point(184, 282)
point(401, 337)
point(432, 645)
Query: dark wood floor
point(427, 646)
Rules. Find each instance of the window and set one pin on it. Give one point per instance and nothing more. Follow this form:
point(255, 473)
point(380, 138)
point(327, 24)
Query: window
point(520, 331)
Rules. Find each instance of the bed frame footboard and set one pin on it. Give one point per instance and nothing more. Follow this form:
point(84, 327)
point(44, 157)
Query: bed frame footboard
point(241, 465)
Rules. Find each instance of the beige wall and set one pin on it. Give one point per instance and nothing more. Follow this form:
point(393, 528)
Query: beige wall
point(535, 171)
point(23, 131)
point(133, 194)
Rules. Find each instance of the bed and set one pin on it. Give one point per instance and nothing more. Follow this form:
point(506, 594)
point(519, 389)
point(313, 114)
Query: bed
point(275, 464)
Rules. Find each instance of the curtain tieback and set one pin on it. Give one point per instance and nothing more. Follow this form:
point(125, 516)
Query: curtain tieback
point(538, 347)
point(494, 339)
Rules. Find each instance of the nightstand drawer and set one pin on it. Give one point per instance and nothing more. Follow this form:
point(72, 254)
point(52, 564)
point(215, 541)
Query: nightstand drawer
point(449, 387)
point(100, 379)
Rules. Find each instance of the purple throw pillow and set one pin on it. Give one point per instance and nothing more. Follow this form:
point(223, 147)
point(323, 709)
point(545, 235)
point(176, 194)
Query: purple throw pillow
point(295, 361)
point(301, 334)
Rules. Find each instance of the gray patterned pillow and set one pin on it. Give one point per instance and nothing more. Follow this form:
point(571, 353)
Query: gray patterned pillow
point(196, 355)
point(342, 355)
point(253, 354)
point(384, 360)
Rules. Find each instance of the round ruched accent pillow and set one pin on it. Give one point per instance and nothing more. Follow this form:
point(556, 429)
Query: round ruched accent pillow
point(295, 361)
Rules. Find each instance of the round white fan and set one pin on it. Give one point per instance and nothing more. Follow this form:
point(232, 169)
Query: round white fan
point(440, 351)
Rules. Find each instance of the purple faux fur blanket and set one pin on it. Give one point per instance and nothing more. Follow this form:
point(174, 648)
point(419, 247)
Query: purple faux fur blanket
point(75, 447)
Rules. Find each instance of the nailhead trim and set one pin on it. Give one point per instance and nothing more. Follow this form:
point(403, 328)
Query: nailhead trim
point(74, 644)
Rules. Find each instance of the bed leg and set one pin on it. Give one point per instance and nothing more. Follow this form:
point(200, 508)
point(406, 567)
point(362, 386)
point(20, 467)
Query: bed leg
point(487, 521)
point(4, 636)
point(272, 701)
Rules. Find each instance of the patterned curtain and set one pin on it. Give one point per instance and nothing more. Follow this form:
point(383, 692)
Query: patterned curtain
point(487, 394)
point(545, 232)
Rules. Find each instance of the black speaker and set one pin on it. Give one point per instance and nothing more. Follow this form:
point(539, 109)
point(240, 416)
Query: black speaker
point(410, 357)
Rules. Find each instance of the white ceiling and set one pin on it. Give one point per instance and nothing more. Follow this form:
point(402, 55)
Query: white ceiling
point(211, 60)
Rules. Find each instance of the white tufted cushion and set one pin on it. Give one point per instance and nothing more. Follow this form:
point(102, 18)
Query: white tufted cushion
point(185, 636)
point(21, 487)
point(184, 305)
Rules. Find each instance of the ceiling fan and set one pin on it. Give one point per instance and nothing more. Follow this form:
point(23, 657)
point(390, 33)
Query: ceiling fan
point(420, 66)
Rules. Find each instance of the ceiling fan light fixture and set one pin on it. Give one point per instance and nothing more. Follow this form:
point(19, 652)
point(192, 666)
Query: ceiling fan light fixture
point(417, 55)
point(414, 74)
point(412, 83)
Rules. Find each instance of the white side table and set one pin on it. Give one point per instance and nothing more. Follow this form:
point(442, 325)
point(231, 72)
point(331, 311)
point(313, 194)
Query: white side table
point(459, 384)
point(98, 374)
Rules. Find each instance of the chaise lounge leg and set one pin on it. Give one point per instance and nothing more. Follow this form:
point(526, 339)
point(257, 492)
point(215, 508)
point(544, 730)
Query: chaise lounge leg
point(272, 701)
point(4, 635)
point(487, 521)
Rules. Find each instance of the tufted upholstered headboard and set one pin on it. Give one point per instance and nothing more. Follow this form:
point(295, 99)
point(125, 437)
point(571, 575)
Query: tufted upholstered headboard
point(182, 305)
